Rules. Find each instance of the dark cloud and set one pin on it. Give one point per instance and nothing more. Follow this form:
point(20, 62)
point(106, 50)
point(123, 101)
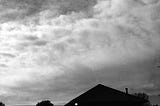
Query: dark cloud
point(68, 6)
point(14, 10)
point(31, 38)
point(7, 55)
point(20, 9)
point(29, 6)
point(40, 43)
point(3, 65)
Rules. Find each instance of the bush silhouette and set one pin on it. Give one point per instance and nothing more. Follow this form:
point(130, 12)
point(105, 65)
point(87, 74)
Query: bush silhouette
point(142, 95)
point(44, 103)
point(2, 104)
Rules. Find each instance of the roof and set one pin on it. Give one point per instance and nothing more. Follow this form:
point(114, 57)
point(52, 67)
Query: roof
point(101, 93)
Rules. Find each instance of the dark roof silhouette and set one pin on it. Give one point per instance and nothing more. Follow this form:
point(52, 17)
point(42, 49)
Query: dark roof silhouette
point(103, 94)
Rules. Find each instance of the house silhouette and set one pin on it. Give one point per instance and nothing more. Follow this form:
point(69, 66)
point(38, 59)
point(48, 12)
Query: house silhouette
point(101, 95)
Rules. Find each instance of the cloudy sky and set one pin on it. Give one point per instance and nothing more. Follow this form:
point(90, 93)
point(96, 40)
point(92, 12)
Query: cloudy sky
point(57, 49)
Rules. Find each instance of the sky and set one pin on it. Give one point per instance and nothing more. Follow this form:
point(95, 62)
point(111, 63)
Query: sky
point(57, 49)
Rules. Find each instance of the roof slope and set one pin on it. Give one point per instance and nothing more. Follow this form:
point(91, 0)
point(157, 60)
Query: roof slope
point(101, 93)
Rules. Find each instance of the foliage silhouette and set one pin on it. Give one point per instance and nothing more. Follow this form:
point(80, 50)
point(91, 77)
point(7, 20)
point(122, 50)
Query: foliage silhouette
point(142, 95)
point(44, 103)
point(2, 104)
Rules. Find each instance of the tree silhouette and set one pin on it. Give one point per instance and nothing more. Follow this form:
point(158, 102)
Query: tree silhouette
point(142, 95)
point(2, 104)
point(44, 103)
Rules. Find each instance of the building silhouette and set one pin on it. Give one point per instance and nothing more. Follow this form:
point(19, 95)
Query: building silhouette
point(101, 95)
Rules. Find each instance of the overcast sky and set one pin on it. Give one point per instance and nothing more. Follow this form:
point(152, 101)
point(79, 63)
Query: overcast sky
point(57, 49)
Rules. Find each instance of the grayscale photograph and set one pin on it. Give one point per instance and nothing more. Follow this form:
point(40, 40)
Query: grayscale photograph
point(79, 52)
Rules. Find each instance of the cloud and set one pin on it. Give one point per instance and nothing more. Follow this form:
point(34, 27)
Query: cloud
point(31, 38)
point(3, 65)
point(7, 55)
point(13, 10)
point(40, 43)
